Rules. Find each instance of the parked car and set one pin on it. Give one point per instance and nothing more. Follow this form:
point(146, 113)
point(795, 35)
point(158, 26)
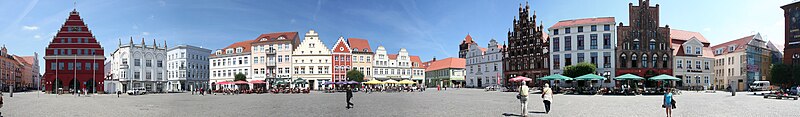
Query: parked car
point(760, 86)
point(137, 91)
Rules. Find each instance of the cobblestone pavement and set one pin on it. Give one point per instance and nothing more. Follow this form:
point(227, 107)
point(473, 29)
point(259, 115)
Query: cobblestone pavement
point(456, 103)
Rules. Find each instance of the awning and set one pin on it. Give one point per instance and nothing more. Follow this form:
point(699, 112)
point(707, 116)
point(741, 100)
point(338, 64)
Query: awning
point(663, 77)
point(240, 82)
point(628, 77)
point(590, 77)
point(519, 79)
point(258, 82)
point(373, 82)
point(407, 82)
point(390, 81)
point(556, 77)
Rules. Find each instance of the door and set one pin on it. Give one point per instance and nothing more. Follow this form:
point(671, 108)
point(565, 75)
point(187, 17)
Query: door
point(480, 84)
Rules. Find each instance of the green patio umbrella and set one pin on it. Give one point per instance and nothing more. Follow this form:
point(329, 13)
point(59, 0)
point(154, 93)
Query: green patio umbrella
point(590, 77)
point(628, 77)
point(300, 81)
point(555, 77)
point(663, 77)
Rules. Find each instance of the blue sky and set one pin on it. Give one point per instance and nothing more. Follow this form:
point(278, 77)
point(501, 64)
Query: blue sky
point(428, 28)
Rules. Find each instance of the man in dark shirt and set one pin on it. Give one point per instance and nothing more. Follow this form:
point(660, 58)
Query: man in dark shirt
point(349, 95)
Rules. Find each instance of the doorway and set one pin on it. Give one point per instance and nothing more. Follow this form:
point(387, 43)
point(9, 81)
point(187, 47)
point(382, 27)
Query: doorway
point(480, 84)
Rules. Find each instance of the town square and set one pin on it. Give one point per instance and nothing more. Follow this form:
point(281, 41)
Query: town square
point(406, 58)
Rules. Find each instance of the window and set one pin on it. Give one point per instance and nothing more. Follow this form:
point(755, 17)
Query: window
point(148, 63)
point(635, 44)
point(567, 43)
point(607, 40)
point(556, 47)
point(706, 64)
point(652, 44)
point(556, 62)
point(60, 66)
point(79, 66)
point(555, 31)
point(566, 30)
point(634, 61)
point(567, 59)
point(680, 64)
point(136, 62)
point(706, 79)
point(594, 28)
point(53, 66)
point(697, 78)
point(644, 60)
point(160, 63)
point(623, 62)
point(606, 27)
point(688, 64)
point(580, 28)
point(580, 42)
point(697, 50)
point(136, 75)
point(593, 42)
point(688, 49)
point(697, 64)
point(580, 57)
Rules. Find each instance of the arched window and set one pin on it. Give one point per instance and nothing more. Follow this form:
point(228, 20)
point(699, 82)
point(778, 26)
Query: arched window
point(634, 61)
point(666, 61)
point(635, 44)
point(652, 44)
point(655, 60)
point(644, 61)
point(622, 61)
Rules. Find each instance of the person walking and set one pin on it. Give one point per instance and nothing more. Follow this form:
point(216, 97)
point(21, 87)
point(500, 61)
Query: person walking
point(547, 95)
point(349, 95)
point(668, 102)
point(523, 98)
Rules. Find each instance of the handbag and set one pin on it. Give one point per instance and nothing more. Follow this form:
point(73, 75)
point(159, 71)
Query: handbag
point(673, 104)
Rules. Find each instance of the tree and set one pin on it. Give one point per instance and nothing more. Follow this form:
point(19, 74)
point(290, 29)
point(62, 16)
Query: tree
point(579, 69)
point(784, 75)
point(355, 75)
point(239, 77)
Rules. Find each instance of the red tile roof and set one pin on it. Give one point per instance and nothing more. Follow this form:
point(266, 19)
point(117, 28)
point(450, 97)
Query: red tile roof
point(244, 44)
point(447, 63)
point(686, 35)
point(740, 43)
point(359, 44)
point(274, 36)
point(29, 59)
point(415, 59)
point(392, 56)
point(467, 40)
point(584, 21)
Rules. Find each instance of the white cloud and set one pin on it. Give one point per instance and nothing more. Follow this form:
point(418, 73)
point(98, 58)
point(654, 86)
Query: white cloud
point(292, 21)
point(145, 33)
point(706, 29)
point(30, 28)
point(37, 36)
point(152, 17)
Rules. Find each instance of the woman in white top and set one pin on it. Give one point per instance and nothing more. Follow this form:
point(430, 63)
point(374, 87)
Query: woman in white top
point(547, 94)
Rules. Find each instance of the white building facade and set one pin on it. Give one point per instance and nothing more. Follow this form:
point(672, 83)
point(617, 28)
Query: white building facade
point(139, 65)
point(229, 61)
point(693, 60)
point(484, 65)
point(187, 68)
point(392, 66)
point(311, 61)
point(589, 40)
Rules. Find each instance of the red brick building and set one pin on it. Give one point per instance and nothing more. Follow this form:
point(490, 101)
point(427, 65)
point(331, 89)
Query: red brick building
point(527, 51)
point(74, 59)
point(342, 61)
point(643, 48)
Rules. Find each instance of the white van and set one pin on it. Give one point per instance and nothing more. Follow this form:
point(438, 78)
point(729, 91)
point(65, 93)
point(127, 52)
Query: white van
point(759, 86)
